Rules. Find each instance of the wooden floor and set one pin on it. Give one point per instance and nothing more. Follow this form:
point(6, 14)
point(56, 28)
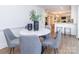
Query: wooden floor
point(69, 45)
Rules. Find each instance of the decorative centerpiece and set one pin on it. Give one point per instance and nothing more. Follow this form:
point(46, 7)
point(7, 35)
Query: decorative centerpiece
point(35, 18)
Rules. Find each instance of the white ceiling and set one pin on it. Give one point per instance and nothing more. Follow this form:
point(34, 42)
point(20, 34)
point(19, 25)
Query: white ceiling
point(57, 8)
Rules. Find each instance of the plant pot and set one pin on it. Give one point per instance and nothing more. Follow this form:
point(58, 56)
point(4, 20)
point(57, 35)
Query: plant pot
point(36, 25)
point(29, 26)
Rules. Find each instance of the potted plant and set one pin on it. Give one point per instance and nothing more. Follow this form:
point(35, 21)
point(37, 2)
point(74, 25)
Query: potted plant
point(35, 18)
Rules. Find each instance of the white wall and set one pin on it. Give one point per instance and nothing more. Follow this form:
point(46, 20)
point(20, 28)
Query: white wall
point(75, 16)
point(15, 17)
point(78, 23)
point(74, 12)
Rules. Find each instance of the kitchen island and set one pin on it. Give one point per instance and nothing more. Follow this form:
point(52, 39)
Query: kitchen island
point(66, 25)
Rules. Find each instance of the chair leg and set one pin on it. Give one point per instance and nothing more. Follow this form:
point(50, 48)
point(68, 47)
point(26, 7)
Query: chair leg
point(55, 50)
point(13, 50)
point(43, 49)
point(10, 50)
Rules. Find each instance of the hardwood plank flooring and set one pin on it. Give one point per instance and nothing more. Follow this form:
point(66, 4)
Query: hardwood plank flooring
point(69, 45)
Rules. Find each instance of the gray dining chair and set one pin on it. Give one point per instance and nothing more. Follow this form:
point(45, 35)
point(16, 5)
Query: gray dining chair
point(53, 42)
point(30, 45)
point(12, 40)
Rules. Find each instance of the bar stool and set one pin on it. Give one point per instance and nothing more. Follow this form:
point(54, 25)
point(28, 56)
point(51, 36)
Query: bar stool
point(65, 30)
point(59, 28)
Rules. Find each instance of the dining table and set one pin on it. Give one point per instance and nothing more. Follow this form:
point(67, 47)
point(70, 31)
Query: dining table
point(40, 32)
